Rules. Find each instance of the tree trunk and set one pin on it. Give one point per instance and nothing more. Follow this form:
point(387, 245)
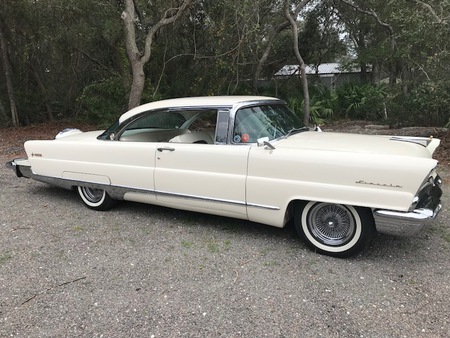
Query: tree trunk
point(301, 63)
point(44, 93)
point(138, 58)
point(8, 75)
point(137, 84)
point(266, 54)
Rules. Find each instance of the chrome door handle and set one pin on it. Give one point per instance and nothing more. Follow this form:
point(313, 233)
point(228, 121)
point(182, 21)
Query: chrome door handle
point(165, 149)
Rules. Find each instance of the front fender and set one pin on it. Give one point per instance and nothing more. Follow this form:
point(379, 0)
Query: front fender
point(278, 176)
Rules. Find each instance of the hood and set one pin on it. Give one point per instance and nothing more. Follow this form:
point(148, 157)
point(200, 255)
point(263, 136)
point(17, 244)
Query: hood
point(366, 144)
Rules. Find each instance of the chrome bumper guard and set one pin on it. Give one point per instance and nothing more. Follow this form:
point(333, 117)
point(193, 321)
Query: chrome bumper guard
point(399, 223)
point(20, 170)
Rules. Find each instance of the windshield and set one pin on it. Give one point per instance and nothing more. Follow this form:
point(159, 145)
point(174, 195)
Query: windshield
point(106, 135)
point(273, 121)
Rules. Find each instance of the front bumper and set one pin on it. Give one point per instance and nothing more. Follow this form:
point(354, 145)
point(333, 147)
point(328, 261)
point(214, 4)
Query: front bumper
point(399, 223)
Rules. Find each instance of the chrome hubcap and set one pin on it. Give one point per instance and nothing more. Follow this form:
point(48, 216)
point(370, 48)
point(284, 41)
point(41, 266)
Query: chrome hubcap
point(93, 195)
point(331, 224)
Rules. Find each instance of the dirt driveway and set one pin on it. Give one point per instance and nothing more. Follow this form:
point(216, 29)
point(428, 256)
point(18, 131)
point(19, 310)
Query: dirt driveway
point(144, 271)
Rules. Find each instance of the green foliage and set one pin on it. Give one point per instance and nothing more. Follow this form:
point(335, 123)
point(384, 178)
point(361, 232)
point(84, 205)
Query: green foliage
point(319, 38)
point(5, 257)
point(68, 56)
point(56, 47)
point(104, 101)
point(4, 120)
point(427, 104)
point(432, 101)
point(321, 105)
point(361, 101)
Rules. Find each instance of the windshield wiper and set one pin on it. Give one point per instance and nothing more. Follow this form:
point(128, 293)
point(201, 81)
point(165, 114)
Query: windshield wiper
point(295, 131)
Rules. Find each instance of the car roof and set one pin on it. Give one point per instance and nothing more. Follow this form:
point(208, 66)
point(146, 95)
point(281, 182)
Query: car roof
point(199, 101)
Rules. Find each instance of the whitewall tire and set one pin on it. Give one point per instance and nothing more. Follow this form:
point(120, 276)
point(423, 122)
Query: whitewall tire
point(96, 199)
point(334, 229)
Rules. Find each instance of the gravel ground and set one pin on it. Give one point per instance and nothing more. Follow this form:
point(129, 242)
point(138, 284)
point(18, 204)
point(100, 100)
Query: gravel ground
point(145, 271)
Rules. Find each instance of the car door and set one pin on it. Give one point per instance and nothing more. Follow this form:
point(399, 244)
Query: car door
point(132, 155)
point(202, 177)
point(201, 173)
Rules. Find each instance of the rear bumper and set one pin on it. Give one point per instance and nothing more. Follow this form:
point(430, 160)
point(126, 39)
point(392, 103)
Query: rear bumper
point(21, 167)
point(410, 223)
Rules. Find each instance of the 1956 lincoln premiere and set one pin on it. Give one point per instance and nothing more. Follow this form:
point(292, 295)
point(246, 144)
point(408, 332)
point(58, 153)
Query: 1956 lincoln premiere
point(248, 157)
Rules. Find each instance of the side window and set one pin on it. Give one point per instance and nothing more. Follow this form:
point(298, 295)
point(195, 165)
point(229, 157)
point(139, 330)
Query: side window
point(204, 121)
point(201, 126)
point(161, 120)
point(154, 127)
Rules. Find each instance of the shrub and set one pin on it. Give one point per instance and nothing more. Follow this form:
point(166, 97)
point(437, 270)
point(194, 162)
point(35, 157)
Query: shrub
point(320, 105)
point(361, 101)
point(104, 101)
point(427, 104)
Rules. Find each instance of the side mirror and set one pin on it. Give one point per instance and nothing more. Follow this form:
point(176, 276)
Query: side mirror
point(264, 141)
point(261, 141)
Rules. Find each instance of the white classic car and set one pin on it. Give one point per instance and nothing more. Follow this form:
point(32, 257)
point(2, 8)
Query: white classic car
point(248, 157)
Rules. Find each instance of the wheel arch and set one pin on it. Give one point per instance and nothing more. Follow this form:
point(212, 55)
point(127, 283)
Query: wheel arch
point(291, 208)
point(300, 203)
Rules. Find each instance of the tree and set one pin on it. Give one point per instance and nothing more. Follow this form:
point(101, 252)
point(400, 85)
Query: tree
point(79, 58)
point(139, 57)
point(294, 28)
point(8, 74)
point(273, 34)
point(389, 28)
point(320, 36)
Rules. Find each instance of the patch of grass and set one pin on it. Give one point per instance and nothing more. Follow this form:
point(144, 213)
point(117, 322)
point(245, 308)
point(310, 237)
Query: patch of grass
point(213, 247)
point(146, 229)
point(186, 244)
point(441, 232)
point(4, 258)
point(226, 245)
point(265, 252)
point(446, 237)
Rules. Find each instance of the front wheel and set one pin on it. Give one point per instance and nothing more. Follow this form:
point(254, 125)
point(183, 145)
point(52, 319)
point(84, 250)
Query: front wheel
point(334, 229)
point(97, 199)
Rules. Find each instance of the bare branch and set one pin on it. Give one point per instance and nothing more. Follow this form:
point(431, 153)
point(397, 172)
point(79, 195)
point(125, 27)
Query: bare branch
point(137, 57)
point(393, 43)
point(372, 14)
point(51, 288)
point(165, 20)
point(96, 61)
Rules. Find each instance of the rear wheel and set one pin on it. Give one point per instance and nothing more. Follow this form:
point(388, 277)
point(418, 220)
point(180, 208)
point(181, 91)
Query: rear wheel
point(97, 199)
point(334, 229)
